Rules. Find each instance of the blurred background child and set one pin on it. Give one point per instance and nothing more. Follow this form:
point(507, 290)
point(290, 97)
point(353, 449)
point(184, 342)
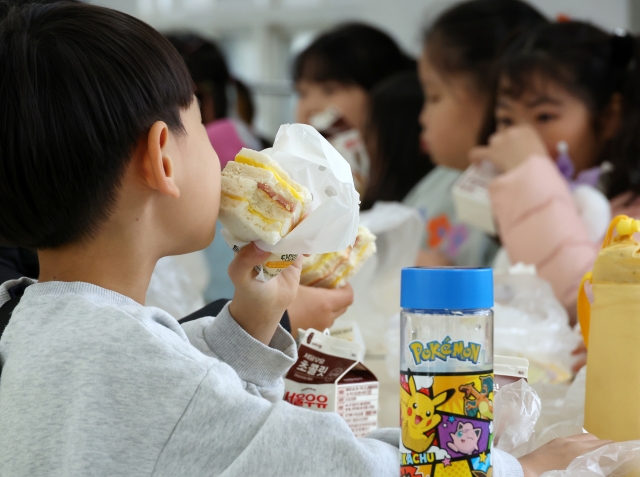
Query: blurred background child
point(392, 137)
point(226, 103)
point(334, 77)
point(570, 82)
point(460, 51)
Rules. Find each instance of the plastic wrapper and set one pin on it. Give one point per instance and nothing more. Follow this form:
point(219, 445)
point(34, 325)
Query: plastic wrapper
point(517, 409)
point(562, 409)
point(563, 416)
point(331, 223)
point(530, 322)
point(377, 285)
point(619, 459)
point(178, 283)
point(347, 141)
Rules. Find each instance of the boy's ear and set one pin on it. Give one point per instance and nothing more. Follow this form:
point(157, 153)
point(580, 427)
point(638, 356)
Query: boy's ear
point(157, 165)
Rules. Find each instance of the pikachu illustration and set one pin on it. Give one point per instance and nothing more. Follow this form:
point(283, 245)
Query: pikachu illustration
point(419, 417)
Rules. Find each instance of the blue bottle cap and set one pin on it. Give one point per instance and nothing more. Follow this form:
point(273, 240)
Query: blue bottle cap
point(446, 288)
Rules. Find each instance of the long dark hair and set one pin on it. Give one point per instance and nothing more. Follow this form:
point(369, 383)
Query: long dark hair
point(593, 65)
point(352, 53)
point(470, 37)
point(208, 68)
point(393, 139)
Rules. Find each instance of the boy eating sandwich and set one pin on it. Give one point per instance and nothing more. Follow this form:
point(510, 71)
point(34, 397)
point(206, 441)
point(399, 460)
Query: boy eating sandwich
point(105, 167)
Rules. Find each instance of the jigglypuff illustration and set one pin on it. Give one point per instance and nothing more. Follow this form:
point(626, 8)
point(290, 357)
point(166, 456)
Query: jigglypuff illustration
point(479, 403)
point(465, 439)
point(419, 418)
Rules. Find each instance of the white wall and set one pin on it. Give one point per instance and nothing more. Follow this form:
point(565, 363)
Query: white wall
point(259, 36)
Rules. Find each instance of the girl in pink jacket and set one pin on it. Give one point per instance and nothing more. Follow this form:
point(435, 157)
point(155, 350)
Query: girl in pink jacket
point(566, 82)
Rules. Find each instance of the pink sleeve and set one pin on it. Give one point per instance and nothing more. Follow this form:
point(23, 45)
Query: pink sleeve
point(539, 224)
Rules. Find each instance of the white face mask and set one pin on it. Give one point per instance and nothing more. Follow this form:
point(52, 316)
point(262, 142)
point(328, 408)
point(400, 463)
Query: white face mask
point(348, 142)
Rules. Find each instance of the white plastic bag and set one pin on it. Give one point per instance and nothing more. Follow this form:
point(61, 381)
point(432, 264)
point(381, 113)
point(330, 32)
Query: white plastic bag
point(517, 409)
point(178, 283)
point(530, 322)
point(377, 285)
point(332, 221)
point(618, 459)
point(562, 415)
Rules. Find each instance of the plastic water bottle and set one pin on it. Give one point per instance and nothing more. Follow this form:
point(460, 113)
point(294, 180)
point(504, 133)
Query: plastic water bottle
point(446, 371)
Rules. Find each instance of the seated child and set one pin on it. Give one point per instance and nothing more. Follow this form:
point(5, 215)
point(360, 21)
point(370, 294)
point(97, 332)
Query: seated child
point(460, 49)
point(105, 167)
point(570, 82)
point(392, 136)
point(337, 72)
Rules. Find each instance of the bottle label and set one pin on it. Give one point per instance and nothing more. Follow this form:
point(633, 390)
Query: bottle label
point(447, 424)
point(425, 352)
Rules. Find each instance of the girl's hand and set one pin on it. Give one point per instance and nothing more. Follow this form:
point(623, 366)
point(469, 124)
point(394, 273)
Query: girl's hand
point(318, 307)
point(509, 148)
point(258, 307)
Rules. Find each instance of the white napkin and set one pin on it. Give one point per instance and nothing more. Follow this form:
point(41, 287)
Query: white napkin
point(332, 220)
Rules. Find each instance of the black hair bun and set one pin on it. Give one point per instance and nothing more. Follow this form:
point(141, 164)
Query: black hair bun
point(622, 48)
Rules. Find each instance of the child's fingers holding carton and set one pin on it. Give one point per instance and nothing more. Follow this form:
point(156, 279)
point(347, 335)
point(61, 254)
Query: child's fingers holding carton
point(509, 148)
point(258, 306)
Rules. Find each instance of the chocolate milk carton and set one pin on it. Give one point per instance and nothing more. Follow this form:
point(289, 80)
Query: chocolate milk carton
point(329, 377)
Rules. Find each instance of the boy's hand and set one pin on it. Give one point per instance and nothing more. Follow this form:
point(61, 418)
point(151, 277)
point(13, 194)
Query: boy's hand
point(559, 453)
point(258, 306)
point(318, 307)
point(509, 148)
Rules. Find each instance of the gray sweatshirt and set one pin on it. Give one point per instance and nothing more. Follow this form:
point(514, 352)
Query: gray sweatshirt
point(95, 384)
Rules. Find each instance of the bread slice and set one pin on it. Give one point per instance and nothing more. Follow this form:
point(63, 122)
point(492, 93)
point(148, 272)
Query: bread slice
point(259, 200)
point(334, 270)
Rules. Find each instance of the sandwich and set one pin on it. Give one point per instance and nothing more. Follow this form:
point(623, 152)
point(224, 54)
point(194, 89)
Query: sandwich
point(334, 270)
point(259, 200)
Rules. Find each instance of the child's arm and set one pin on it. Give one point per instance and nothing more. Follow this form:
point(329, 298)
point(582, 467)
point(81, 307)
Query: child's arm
point(537, 219)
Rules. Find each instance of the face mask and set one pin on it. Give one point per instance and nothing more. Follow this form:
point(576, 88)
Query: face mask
point(348, 142)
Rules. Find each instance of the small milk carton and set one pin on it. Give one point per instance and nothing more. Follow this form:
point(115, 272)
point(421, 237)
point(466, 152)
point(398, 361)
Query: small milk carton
point(471, 197)
point(330, 377)
point(508, 370)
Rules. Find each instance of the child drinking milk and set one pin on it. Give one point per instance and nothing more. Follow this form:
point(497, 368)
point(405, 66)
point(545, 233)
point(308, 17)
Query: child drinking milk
point(460, 50)
point(575, 83)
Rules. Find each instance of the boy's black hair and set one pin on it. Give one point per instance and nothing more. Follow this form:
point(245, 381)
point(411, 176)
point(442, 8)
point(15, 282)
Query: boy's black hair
point(80, 85)
point(393, 139)
point(469, 37)
point(353, 53)
point(208, 68)
point(593, 65)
